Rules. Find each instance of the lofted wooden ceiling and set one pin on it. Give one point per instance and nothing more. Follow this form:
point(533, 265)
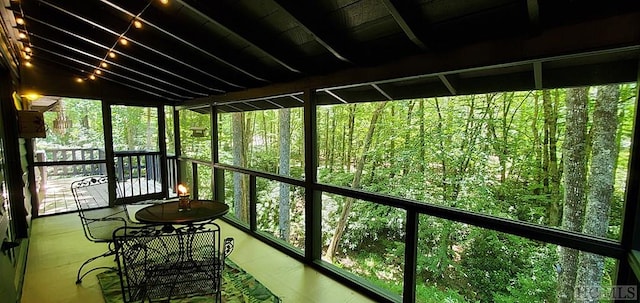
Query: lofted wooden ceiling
point(252, 54)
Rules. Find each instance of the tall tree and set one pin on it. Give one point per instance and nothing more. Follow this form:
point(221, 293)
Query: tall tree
point(284, 118)
point(240, 184)
point(550, 164)
point(346, 208)
point(601, 181)
point(332, 143)
point(350, 128)
point(575, 170)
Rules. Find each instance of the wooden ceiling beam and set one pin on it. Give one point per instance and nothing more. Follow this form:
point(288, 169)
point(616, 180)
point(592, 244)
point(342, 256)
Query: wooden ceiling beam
point(446, 83)
point(404, 25)
point(183, 41)
point(304, 17)
point(595, 37)
point(146, 47)
point(172, 74)
point(537, 74)
point(47, 78)
point(381, 91)
point(107, 71)
point(112, 63)
point(205, 12)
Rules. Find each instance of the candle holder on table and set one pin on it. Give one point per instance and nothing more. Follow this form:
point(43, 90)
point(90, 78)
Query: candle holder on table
point(184, 202)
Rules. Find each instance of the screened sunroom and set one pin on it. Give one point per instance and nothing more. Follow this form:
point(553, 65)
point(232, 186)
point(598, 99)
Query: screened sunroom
point(368, 151)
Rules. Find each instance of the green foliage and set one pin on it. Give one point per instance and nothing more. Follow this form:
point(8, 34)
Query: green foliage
point(491, 261)
point(482, 153)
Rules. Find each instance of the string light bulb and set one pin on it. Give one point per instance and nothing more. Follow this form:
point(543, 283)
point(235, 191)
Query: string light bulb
point(124, 41)
point(112, 55)
point(98, 72)
point(79, 80)
point(22, 35)
point(92, 77)
point(27, 49)
point(20, 21)
point(164, 1)
point(28, 64)
point(32, 96)
point(26, 56)
point(137, 24)
point(104, 64)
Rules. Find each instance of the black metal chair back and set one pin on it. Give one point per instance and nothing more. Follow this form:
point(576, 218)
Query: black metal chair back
point(98, 219)
point(161, 263)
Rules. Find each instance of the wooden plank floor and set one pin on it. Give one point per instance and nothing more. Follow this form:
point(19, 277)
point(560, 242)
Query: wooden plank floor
point(55, 197)
point(58, 247)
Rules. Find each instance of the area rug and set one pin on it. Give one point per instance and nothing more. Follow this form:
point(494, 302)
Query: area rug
point(237, 287)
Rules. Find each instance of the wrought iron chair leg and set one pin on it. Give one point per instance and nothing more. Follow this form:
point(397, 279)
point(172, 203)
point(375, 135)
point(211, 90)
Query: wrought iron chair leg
point(105, 254)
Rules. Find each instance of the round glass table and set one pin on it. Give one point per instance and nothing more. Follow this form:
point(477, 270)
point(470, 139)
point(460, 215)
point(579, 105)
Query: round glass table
point(168, 213)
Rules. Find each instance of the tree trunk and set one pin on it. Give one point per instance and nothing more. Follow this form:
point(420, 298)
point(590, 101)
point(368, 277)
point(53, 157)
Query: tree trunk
point(392, 147)
point(552, 176)
point(332, 152)
point(283, 168)
point(149, 143)
point(352, 117)
point(346, 209)
point(407, 139)
point(575, 180)
point(421, 135)
point(601, 181)
point(537, 143)
point(327, 149)
point(240, 186)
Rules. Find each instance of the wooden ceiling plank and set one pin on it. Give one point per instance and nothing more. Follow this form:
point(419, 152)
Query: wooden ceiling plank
point(86, 54)
point(537, 74)
point(607, 36)
point(318, 34)
point(119, 53)
point(446, 83)
point(201, 14)
point(382, 91)
point(400, 20)
point(111, 80)
point(332, 94)
point(250, 105)
point(533, 9)
point(183, 41)
point(274, 103)
point(297, 98)
point(92, 67)
point(155, 51)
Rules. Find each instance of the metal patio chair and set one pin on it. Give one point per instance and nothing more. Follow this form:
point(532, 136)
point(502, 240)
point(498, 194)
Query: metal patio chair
point(98, 219)
point(156, 264)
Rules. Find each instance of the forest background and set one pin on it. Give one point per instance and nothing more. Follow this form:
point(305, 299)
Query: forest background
point(556, 158)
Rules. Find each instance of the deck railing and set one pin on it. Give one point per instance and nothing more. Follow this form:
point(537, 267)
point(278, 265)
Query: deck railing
point(137, 172)
point(79, 158)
